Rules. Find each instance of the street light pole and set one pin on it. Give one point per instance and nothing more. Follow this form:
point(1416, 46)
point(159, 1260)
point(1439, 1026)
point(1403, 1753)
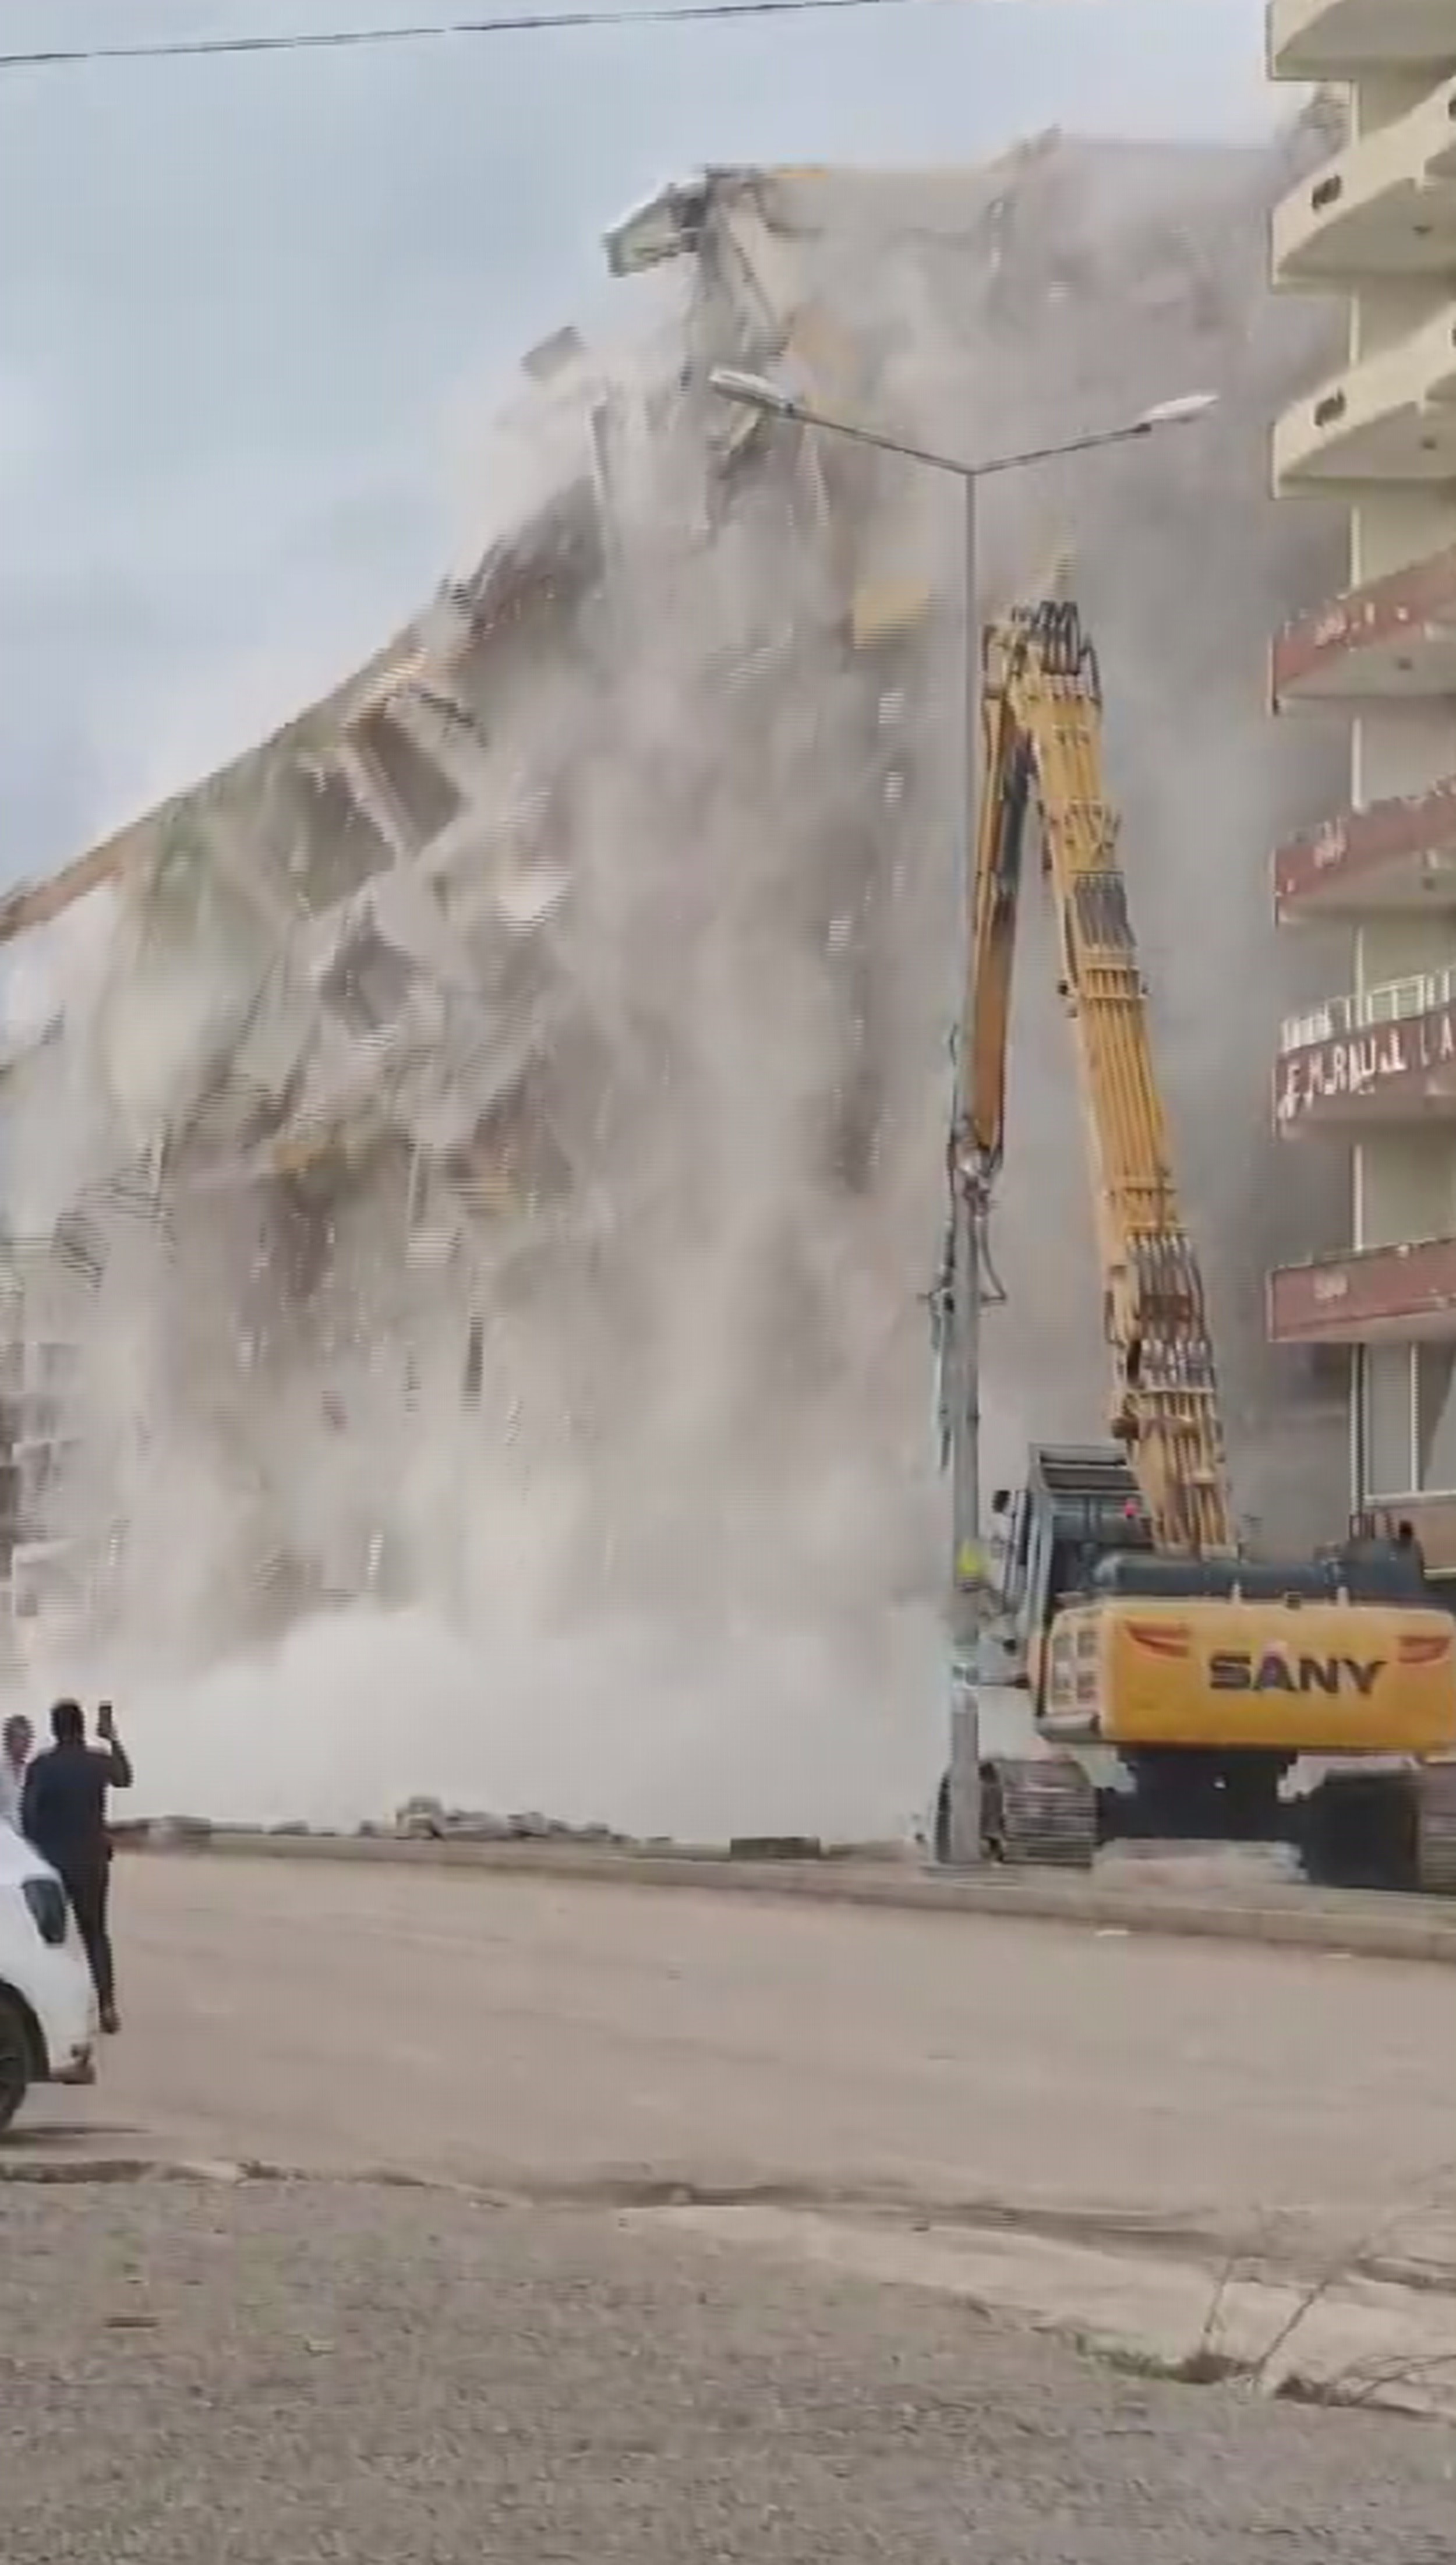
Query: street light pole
point(962, 1345)
point(962, 1355)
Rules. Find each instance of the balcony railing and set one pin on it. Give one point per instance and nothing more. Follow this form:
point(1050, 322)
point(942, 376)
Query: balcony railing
point(1393, 1002)
point(1319, 39)
point(1381, 204)
point(1384, 416)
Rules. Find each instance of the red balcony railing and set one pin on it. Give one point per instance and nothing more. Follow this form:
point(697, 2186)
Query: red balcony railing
point(1398, 844)
point(1393, 636)
point(1378, 1055)
point(1373, 1292)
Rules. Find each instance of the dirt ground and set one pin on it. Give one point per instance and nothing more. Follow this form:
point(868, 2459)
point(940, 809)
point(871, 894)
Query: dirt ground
point(275, 2375)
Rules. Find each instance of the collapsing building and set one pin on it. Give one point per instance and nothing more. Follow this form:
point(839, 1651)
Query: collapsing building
point(557, 1009)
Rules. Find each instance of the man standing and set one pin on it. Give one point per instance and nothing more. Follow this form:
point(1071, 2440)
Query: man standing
point(64, 1813)
point(16, 1739)
point(1409, 1547)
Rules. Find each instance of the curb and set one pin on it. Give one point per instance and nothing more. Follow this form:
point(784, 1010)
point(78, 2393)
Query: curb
point(1364, 1924)
point(19, 2170)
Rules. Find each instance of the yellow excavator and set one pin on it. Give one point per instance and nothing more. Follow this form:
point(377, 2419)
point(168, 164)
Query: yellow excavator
point(1173, 1681)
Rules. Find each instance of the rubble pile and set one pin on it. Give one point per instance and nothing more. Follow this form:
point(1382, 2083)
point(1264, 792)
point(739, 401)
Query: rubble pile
point(425, 1819)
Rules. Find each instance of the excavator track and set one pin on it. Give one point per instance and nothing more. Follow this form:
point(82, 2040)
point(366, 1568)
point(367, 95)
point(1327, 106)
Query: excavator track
point(1384, 1830)
point(1435, 1829)
point(1037, 1809)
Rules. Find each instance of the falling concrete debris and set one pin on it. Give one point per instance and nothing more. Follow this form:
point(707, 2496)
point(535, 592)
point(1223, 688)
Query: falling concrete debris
point(427, 1820)
point(489, 1155)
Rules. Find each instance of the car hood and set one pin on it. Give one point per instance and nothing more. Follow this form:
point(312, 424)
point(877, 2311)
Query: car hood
point(19, 1860)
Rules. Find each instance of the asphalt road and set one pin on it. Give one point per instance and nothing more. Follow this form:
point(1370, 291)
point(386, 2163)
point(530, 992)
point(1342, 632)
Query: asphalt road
point(539, 2032)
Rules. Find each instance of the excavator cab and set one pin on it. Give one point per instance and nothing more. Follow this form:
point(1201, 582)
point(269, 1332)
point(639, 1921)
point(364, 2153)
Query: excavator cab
point(1079, 1510)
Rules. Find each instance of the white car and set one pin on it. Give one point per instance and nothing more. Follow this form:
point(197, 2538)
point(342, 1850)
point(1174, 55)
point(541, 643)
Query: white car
point(48, 2014)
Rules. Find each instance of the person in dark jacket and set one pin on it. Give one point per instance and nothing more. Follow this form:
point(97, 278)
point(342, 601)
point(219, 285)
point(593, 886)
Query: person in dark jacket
point(63, 1814)
point(1409, 1549)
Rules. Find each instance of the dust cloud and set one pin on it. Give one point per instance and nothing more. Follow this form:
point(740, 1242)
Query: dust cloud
point(680, 1567)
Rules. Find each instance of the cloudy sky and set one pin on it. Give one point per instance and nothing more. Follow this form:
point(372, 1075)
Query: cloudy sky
point(254, 315)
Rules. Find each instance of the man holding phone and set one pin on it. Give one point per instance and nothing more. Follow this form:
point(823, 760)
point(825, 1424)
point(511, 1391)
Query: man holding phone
point(63, 1814)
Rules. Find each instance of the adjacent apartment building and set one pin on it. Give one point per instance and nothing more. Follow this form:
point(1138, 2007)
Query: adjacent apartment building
point(1371, 1072)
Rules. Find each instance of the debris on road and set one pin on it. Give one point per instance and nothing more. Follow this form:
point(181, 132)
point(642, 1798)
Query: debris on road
point(422, 1816)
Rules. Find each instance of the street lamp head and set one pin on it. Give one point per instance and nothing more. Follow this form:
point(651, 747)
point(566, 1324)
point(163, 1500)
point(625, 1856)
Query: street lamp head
point(1177, 412)
point(752, 391)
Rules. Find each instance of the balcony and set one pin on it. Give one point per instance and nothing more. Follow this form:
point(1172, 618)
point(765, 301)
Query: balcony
point(1394, 855)
point(1320, 39)
point(1391, 418)
point(1385, 1054)
point(1385, 207)
point(1375, 1295)
point(1393, 638)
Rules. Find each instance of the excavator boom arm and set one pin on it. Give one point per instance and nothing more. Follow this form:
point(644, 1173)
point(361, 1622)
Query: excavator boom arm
point(1042, 725)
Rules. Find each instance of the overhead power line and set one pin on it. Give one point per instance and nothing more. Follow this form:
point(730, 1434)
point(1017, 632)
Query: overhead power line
point(523, 22)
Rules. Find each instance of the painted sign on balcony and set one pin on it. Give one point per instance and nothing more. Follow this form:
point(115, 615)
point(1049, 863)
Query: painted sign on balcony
point(1363, 846)
point(1376, 1288)
point(1406, 606)
point(1370, 1067)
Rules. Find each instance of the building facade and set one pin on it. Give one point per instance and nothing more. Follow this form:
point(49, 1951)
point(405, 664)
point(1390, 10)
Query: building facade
point(1371, 1071)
